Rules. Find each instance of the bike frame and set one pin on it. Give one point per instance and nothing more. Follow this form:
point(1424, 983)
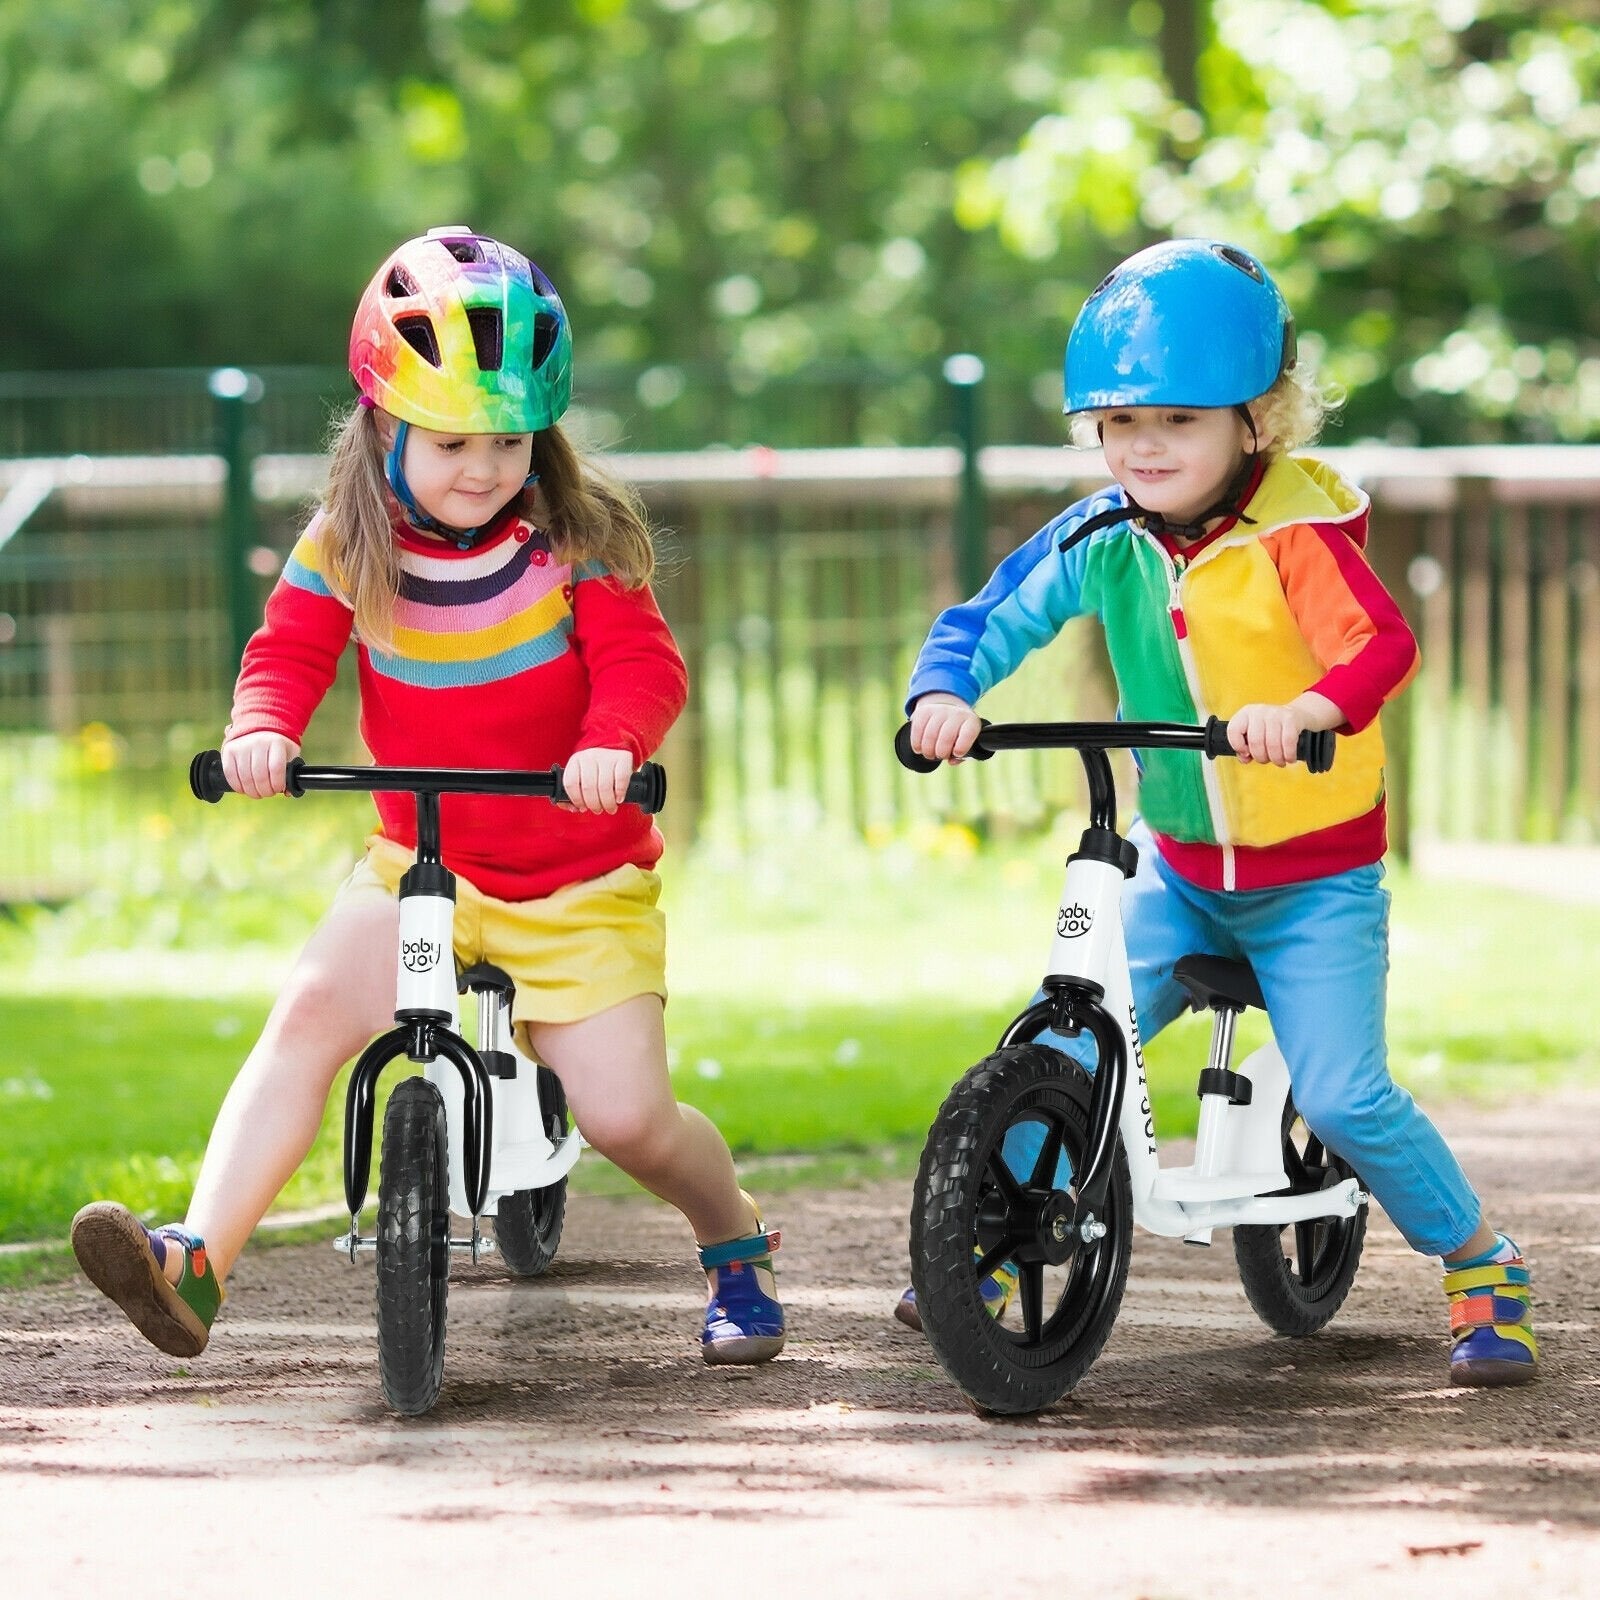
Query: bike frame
point(1239, 1151)
point(513, 1152)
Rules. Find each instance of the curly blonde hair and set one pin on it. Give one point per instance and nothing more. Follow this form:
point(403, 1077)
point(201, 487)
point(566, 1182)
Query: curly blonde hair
point(1294, 410)
point(588, 515)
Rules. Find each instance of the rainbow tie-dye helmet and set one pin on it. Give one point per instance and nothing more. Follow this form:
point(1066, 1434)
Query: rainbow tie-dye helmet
point(462, 334)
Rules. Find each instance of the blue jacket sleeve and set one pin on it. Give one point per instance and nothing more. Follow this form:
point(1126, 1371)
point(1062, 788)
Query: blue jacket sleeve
point(1033, 593)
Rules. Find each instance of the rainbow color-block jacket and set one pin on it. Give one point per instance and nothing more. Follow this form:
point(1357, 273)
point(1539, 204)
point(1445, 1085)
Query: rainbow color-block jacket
point(1278, 602)
point(504, 656)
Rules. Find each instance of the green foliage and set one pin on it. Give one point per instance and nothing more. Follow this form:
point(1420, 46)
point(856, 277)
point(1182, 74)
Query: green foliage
point(737, 194)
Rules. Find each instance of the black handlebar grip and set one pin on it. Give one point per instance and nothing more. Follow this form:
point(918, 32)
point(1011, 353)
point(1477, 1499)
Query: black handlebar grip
point(205, 777)
point(647, 788)
point(909, 757)
point(1217, 738)
point(1316, 749)
point(1313, 748)
point(207, 783)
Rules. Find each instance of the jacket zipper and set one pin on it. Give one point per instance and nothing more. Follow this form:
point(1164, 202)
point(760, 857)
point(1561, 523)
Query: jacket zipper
point(1180, 632)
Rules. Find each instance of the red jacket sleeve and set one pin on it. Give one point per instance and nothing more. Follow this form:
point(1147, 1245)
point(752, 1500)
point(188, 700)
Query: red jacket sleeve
point(637, 680)
point(293, 657)
point(1352, 624)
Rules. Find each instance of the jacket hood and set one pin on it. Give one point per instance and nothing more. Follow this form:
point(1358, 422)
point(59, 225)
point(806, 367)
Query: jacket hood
point(1303, 489)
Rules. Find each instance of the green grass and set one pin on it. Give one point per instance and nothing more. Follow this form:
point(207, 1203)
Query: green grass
point(824, 999)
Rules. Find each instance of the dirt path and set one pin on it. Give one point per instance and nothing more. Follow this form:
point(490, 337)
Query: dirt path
point(579, 1441)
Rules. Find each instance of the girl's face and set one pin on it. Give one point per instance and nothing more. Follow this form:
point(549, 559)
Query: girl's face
point(1175, 462)
point(464, 479)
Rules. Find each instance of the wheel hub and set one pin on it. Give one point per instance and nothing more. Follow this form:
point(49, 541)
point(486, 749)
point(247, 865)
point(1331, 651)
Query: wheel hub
point(1041, 1225)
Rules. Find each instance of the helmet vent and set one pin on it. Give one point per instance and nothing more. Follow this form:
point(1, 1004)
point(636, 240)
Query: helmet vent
point(418, 333)
point(488, 337)
point(464, 249)
point(400, 284)
point(1104, 284)
point(1237, 258)
point(546, 329)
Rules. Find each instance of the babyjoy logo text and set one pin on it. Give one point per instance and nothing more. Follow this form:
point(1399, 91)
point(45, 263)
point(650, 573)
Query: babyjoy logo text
point(419, 955)
point(1072, 922)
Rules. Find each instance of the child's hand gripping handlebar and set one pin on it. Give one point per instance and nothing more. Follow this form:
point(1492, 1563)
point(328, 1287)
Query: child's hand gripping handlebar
point(1211, 739)
point(647, 789)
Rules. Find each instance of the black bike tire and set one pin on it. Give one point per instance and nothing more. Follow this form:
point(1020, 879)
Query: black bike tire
point(1275, 1288)
point(413, 1248)
point(527, 1223)
point(996, 1371)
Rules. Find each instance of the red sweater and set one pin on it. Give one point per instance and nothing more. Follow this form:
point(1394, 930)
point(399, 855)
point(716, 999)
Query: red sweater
point(503, 657)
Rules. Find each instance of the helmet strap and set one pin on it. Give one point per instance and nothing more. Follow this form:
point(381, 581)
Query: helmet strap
point(1232, 503)
point(394, 472)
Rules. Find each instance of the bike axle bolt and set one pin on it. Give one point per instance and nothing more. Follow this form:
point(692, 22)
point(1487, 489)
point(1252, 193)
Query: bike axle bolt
point(1092, 1230)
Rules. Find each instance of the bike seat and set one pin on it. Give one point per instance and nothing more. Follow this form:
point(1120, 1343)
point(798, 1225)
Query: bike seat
point(485, 975)
point(1217, 984)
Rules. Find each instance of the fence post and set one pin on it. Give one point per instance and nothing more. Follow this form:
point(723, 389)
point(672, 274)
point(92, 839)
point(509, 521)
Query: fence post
point(964, 373)
point(233, 390)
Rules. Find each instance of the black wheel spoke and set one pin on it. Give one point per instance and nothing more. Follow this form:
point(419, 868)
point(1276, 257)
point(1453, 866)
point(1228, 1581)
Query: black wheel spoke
point(1305, 1249)
point(991, 1261)
point(1030, 1282)
point(1049, 1158)
point(1002, 1176)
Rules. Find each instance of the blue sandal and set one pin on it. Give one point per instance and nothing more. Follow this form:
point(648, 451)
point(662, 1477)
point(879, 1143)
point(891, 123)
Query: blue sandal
point(744, 1321)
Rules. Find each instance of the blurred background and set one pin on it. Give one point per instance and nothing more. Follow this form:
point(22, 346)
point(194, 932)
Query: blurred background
point(774, 223)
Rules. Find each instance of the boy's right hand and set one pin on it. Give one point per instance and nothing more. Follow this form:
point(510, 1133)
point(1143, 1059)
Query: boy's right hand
point(943, 727)
point(255, 763)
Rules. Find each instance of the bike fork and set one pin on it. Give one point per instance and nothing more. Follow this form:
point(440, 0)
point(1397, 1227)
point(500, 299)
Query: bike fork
point(425, 989)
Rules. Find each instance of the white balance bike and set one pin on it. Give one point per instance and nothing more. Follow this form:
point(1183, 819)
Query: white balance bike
point(1039, 1167)
point(481, 1131)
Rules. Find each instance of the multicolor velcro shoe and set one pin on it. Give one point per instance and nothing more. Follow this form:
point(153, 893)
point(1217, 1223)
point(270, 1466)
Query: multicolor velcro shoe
point(744, 1321)
point(125, 1261)
point(1491, 1321)
point(995, 1291)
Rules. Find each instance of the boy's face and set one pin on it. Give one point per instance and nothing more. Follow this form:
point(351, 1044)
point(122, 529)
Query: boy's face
point(1174, 462)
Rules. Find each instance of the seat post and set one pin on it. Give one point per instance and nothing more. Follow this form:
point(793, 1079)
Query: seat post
point(1224, 1020)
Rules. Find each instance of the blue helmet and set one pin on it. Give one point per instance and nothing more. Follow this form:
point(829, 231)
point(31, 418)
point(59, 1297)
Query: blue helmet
point(1191, 322)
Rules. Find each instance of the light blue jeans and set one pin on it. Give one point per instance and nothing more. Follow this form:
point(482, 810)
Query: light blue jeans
point(1320, 951)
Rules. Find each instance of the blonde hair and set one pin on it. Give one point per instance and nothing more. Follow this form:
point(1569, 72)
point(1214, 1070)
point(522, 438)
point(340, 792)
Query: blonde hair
point(1293, 411)
point(588, 515)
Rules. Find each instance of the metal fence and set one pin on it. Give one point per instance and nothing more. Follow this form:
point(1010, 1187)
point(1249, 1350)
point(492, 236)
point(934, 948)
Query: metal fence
point(800, 584)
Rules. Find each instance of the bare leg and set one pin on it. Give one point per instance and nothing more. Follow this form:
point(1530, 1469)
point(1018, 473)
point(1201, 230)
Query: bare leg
point(340, 993)
point(614, 1069)
point(1480, 1244)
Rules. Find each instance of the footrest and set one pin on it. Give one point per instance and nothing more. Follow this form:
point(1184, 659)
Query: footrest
point(1185, 1184)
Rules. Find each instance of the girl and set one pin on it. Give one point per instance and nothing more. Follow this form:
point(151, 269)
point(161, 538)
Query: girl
point(497, 587)
point(1228, 576)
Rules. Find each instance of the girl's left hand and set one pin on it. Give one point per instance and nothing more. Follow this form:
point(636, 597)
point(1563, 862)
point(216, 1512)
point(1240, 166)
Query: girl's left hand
point(597, 780)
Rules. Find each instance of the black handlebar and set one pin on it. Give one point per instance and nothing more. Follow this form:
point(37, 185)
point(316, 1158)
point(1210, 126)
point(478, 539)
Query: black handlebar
point(647, 788)
point(1211, 740)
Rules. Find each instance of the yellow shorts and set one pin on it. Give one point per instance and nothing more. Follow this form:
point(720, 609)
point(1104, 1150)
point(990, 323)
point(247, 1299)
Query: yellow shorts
point(572, 954)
